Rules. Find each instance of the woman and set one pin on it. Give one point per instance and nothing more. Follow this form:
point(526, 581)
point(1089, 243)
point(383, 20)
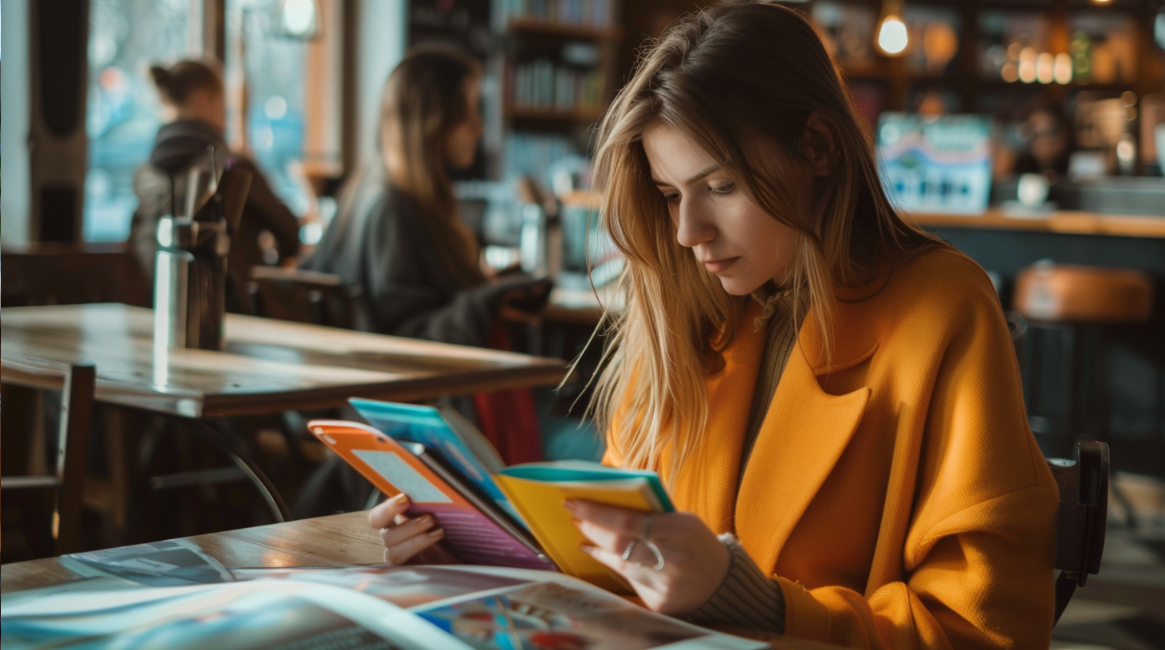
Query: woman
point(398, 234)
point(830, 395)
point(192, 93)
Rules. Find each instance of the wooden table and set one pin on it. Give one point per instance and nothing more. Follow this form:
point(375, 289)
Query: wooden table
point(325, 541)
point(269, 366)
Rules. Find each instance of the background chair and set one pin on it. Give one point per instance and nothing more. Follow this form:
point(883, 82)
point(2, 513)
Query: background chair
point(72, 274)
point(66, 485)
point(1081, 517)
point(304, 297)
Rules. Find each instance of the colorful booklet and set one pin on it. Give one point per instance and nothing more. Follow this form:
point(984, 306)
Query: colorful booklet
point(358, 608)
point(533, 492)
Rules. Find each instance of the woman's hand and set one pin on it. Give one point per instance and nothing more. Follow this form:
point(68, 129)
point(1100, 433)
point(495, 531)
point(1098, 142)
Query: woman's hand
point(694, 562)
point(407, 539)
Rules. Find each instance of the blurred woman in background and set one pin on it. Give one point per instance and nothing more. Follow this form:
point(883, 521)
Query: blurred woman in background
point(192, 93)
point(398, 233)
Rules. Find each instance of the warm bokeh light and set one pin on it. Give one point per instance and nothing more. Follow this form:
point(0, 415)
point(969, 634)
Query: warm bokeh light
point(1062, 69)
point(1045, 64)
point(1009, 72)
point(892, 37)
point(1027, 65)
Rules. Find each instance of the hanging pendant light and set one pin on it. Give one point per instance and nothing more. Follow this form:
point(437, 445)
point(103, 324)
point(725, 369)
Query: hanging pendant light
point(892, 37)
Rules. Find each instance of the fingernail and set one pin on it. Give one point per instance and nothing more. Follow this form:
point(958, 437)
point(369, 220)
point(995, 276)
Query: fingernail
point(586, 548)
point(576, 521)
point(401, 498)
point(427, 521)
point(436, 534)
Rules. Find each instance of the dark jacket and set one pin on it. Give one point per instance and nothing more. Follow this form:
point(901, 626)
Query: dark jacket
point(378, 242)
point(179, 147)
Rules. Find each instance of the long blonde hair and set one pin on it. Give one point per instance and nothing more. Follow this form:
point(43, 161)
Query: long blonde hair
point(741, 81)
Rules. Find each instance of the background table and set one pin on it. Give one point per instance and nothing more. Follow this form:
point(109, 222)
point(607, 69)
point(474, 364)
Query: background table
point(269, 366)
point(325, 541)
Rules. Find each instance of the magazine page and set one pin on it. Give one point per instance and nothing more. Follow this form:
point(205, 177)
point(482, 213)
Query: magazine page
point(279, 615)
point(492, 608)
point(557, 612)
point(157, 564)
point(403, 586)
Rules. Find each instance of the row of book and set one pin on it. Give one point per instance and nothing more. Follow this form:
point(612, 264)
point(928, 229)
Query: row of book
point(542, 85)
point(589, 13)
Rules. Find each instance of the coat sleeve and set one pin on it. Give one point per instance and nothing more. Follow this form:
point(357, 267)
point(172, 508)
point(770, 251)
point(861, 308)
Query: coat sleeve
point(978, 552)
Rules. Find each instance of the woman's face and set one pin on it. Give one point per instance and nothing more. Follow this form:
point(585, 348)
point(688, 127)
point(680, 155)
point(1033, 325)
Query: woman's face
point(730, 236)
point(461, 140)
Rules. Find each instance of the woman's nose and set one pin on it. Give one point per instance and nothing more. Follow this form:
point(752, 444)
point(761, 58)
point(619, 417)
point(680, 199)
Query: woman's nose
point(693, 226)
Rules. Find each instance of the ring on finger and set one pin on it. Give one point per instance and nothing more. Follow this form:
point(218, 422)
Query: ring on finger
point(659, 562)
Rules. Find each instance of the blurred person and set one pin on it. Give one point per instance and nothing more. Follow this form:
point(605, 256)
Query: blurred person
point(398, 233)
point(1046, 136)
point(192, 96)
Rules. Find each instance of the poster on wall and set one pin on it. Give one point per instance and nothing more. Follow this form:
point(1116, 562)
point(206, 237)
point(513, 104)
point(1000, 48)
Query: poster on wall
point(936, 165)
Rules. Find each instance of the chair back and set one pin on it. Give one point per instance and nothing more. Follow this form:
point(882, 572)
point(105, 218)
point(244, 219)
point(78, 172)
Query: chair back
point(76, 384)
point(72, 274)
point(304, 297)
point(1081, 517)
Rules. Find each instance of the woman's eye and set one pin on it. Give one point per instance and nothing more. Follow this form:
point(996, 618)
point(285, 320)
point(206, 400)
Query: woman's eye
point(723, 189)
point(671, 198)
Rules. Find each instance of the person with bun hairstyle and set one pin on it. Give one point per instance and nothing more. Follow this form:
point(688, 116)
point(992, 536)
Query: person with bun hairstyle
point(192, 93)
point(830, 395)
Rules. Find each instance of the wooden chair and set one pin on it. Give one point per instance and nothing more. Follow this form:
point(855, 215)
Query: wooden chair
point(304, 297)
point(71, 274)
point(1081, 518)
point(67, 483)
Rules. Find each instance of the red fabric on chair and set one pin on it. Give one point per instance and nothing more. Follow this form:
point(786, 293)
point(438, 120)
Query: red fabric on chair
point(509, 418)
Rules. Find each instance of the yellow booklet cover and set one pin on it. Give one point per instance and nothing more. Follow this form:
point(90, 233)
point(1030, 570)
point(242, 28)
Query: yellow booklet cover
point(541, 506)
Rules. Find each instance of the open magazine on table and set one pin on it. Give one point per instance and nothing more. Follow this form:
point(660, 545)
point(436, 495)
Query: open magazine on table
point(354, 608)
point(492, 514)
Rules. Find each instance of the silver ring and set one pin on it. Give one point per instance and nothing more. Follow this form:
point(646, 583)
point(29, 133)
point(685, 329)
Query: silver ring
point(659, 563)
point(630, 548)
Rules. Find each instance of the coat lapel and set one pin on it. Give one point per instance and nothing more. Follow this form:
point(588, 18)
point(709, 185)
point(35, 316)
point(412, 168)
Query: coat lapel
point(707, 485)
point(802, 437)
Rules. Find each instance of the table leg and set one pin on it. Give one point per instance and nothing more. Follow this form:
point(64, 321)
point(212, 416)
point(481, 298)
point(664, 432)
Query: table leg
point(254, 474)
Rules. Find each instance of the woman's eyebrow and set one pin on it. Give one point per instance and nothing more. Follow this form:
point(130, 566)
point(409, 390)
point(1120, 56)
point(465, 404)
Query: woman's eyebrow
point(701, 174)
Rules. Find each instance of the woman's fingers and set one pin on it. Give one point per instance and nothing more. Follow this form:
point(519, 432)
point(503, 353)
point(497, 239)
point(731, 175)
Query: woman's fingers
point(383, 515)
point(403, 552)
point(394, 535)
point(622, 522)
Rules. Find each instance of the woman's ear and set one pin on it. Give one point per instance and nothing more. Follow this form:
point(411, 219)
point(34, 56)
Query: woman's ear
point(818, 144)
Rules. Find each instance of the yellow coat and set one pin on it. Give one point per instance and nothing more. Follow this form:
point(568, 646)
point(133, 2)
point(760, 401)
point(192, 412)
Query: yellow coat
point(897, 494)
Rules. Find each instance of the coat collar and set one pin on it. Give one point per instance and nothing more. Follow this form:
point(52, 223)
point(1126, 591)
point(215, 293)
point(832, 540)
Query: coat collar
point(801, 439)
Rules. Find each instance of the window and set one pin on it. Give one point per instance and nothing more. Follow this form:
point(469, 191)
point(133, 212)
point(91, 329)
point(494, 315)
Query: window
point(122, 118)
point(265, 71)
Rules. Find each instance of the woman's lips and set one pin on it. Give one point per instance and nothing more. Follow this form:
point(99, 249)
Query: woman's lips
point(719, 266)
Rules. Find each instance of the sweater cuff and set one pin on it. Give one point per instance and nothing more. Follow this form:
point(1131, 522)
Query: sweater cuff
point(746, 598)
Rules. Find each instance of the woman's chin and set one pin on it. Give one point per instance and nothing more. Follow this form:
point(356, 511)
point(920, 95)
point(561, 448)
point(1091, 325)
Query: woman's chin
point(738, 286)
